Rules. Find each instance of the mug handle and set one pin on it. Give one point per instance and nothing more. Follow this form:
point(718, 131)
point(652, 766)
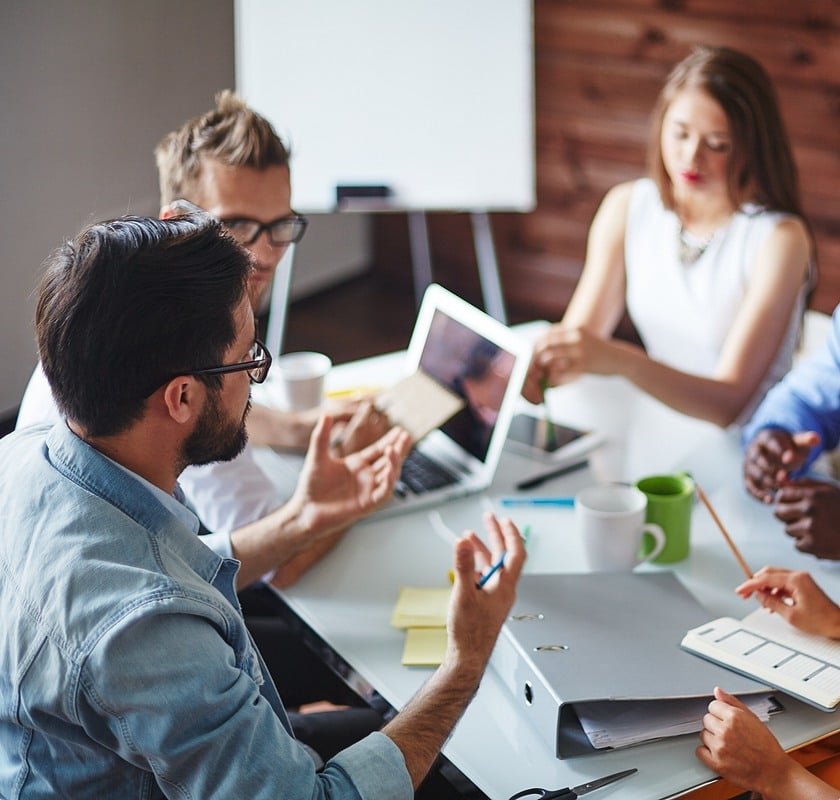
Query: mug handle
point(659, 535)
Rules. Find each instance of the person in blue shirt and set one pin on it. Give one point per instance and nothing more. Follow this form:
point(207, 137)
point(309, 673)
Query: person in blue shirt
point(797, 421)
point(126, 669)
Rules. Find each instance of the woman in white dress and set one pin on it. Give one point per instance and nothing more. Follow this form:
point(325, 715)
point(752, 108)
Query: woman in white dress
point(711, 255)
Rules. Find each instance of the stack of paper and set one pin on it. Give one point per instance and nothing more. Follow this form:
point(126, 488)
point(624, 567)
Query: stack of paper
point(610, 724)
point(422, 613)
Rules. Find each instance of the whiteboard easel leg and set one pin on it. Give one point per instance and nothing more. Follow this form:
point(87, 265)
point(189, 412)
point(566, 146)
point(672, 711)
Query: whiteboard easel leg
point(488, 266)
point(421, 255)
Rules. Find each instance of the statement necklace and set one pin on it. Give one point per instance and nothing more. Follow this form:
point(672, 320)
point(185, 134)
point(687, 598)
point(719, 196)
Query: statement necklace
point(691, 247)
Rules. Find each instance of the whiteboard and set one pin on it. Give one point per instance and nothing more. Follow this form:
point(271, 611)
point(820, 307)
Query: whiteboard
point(431, 98)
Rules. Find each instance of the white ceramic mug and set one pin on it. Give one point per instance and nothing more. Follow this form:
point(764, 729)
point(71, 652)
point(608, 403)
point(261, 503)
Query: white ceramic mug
point(611, 520)
point(297, 380)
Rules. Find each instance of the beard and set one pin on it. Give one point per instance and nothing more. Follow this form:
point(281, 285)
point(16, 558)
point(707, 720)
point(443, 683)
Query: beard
point(215, 436)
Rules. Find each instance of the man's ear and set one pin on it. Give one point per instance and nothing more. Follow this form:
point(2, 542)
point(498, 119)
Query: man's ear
point(184, 398)
point(167, 212)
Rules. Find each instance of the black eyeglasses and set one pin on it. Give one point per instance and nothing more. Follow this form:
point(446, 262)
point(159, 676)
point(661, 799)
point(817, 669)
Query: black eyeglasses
point(282, 231)
point(257, 365)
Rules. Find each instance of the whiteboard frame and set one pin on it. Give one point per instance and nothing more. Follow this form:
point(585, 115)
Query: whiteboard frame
point(431, 98)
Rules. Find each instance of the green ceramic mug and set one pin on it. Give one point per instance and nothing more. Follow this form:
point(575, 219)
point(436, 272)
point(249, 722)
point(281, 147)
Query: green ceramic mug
point(670, 500)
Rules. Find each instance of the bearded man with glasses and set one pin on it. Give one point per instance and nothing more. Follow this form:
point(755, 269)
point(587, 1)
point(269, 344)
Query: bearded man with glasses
point(126, 669)
point(231, 164)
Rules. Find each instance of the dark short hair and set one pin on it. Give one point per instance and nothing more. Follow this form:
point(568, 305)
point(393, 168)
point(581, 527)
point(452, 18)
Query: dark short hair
point(232, 133)
point(131, 303)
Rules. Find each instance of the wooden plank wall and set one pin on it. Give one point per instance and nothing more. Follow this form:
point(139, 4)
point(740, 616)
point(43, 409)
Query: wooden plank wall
point(599, 65)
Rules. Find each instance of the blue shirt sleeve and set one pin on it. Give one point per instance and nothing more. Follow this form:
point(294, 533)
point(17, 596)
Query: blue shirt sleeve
point(170, 696)
point(807, 399)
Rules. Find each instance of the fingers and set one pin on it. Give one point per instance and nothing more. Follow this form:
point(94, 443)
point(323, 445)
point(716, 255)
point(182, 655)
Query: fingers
point(704, 754)
point(763, 463)
point(505, 542)
point(730, 700)
point(558, 353)
point(771, 456)
point(505, 538)
point(394, 444)
point(319, 441)
point(760, 477)
point(777, 602)
point(766, 579)
point(367, 426)
point(806, 439)
point(532, 388)
point(465, 549)
point(389, 464)
point(482, 556)
point(358, 417)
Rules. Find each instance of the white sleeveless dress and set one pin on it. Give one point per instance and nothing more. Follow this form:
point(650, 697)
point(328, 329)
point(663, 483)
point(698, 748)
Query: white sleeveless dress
point(683, 313)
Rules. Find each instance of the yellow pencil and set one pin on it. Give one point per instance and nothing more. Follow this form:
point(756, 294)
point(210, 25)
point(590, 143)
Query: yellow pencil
point(702, 495)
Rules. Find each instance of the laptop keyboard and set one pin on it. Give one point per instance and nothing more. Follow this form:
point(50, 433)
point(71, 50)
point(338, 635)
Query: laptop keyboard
point(420, 474)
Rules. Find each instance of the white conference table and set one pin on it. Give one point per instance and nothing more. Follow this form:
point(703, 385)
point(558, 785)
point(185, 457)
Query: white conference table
point(347, 598)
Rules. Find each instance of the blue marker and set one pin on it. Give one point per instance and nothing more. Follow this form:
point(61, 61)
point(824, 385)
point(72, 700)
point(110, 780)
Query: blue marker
point(492, 571)
point(538, 501)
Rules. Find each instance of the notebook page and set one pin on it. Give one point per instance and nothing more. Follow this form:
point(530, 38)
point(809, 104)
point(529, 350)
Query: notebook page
point(768, 648)
point(772, 626)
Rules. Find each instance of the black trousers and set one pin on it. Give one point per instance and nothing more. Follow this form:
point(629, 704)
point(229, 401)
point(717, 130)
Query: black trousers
point(302, 675)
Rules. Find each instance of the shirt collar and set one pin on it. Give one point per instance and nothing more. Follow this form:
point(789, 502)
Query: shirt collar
point(173, 503)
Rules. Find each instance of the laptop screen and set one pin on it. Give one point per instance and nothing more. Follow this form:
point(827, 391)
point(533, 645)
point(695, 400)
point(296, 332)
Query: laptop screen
point(477, 370)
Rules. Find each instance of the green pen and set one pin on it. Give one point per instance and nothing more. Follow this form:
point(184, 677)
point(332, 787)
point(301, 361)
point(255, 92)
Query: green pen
point(526, 532)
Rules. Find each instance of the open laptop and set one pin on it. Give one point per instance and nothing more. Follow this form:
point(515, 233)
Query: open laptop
point(483, 362)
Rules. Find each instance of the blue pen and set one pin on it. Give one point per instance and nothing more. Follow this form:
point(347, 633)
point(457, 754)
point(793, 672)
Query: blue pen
point(537, 501)
point(492, 571)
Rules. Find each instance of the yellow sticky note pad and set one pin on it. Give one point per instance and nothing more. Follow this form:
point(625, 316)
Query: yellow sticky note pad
point(421, 608)
point(353, 393)
point(424, 647)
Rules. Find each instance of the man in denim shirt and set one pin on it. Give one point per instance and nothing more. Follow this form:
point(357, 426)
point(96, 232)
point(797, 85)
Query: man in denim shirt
point(797, 421)
point(125, 667)
point(231, 161)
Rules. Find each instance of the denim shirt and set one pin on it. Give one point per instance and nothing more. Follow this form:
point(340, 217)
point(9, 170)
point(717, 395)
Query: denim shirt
point(807, 399)
point(125, 667)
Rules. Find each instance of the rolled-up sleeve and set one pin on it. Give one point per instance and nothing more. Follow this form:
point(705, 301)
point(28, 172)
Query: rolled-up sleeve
point(376, 767)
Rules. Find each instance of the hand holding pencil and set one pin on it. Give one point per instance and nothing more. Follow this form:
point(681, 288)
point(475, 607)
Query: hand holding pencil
point(796, 597)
